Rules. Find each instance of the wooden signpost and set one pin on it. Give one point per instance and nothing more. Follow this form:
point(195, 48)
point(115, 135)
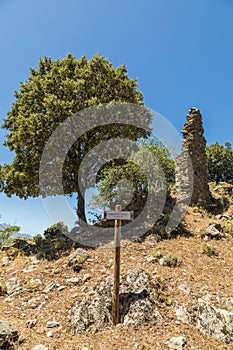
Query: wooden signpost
point(117, 215)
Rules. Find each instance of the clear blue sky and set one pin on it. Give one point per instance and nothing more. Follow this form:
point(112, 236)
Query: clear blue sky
point(181, 51)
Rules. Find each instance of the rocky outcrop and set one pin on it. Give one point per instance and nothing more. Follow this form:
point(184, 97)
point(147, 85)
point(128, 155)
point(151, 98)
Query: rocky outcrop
point(209, 318)
point(137, 307)
point(215, 321)
point(191, 164)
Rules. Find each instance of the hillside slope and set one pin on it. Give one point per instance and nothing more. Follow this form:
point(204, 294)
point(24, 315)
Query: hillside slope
point(197, 282)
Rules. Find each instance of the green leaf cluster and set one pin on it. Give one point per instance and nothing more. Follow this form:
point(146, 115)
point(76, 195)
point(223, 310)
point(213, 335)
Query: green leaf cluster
point(6, 233)
point(220, 162)
point(130, 177)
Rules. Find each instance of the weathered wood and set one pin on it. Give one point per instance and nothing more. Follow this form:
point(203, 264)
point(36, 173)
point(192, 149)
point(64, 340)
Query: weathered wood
point(118, 215)
point(116, 281)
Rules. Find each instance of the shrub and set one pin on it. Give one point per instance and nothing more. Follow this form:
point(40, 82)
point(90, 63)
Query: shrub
point(56, 235)
point(208, 249)
point(228, 227)
point(6, 233)
point(171, 260)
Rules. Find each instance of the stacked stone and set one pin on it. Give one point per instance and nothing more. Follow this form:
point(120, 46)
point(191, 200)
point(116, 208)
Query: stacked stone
point(192, 178)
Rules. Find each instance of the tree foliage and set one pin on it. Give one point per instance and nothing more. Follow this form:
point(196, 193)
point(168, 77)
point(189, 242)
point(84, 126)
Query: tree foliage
point(6, 233)
point(53, 92)
point(220, 162)
point(129, 178)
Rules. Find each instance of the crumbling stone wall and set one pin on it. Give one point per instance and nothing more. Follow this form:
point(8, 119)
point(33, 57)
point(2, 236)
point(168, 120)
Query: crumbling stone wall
point(191, 164)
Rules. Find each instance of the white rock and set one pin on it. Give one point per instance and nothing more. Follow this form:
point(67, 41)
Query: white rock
point(49, 334)
point(49, 287)
point(31, 323)
point(40, 347)
point(60, 288)
point(151, 259)
point(10, 297)
point(5, 261)
point(12, 284)
point(184, 288)
point(29, 268)
point(34, 282)
point(34, 260)
point(52, 324)
point(214, 321)
point(86, 277)
point(75, 280)
point(176, 343)
point(182, 314)
point(155, 271)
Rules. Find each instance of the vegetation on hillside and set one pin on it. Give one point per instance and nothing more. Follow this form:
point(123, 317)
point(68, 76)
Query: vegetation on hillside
point(220, 162)
point(152, 164)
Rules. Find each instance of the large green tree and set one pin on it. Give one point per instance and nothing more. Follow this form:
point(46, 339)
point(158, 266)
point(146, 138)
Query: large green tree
point(220, 162)
point(54, 91)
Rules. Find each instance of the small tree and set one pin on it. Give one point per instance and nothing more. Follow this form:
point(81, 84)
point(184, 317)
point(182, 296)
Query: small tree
point(129, 177)
point(220, 162)
point(6, 233)
point(55, 232)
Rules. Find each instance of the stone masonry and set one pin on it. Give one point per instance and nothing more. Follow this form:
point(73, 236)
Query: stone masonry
point(191, 164)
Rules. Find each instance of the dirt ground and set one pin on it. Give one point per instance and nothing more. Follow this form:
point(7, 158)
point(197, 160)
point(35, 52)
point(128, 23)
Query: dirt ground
point(199, 272)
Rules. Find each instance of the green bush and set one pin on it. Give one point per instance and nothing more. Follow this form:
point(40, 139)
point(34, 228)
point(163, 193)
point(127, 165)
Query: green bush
point(208, 249)
point(171, 260)
point(228, 227)
point(220, 162)
point(56, 235)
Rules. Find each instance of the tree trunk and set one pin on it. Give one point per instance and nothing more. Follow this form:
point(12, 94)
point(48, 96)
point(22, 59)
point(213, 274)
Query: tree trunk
point(81, 206)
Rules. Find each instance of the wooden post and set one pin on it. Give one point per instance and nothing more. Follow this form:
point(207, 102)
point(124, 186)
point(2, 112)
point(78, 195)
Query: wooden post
point(116, 281)
point(117, 215)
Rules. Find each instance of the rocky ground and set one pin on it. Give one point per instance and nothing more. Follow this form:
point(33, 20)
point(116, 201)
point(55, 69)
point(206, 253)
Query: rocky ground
point(175, 293)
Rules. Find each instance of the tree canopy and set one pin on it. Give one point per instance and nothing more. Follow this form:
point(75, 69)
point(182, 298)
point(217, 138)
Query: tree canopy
point(54, 91)
point(7, 232)
point(128, 179)
point(220, 162)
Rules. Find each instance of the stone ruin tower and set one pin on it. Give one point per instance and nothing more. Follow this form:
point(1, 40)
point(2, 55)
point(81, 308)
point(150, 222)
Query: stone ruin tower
point(191, 164)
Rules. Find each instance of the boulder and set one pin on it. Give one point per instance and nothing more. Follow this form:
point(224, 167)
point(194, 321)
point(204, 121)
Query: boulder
point(77, 259)
point(213, 231)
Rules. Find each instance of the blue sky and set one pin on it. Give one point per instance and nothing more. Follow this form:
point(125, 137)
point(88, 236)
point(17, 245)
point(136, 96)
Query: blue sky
point(181, 52)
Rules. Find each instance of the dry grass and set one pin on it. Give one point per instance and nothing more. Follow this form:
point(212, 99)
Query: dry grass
point(198, 271)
